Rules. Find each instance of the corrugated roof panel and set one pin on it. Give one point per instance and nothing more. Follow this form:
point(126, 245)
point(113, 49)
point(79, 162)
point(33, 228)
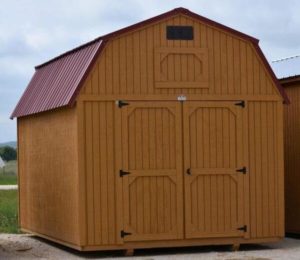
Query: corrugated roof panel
point(53, 84)
point(288, 67)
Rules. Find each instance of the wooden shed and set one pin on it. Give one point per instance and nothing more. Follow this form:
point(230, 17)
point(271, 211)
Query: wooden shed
point(288, 70)
point(166, 133)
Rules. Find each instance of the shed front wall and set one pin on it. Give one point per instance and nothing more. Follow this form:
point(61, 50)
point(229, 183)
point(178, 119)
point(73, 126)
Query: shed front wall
point(140, 62)
point(48, 175)
point(264, 187)
point(292, 155)
point(127, 70)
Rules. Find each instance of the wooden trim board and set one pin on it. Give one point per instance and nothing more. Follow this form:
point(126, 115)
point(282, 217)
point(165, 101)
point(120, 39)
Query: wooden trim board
point(161, 244)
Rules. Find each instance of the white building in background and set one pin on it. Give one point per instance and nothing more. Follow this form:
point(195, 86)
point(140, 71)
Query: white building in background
point(2, 164)
point(287, 67)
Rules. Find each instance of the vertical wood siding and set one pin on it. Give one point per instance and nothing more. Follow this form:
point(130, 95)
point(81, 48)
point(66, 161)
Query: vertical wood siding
point(152, 153)
point(259, 126)
point(127, 65)
point(215, 202)
point(266, 169)
point(292, 156)
point(99, 169)
point(48, 178)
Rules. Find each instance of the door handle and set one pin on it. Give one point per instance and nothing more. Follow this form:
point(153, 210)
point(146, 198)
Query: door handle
point(188, 171)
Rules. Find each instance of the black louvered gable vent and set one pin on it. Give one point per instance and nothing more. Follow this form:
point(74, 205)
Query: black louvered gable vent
point(180, 32)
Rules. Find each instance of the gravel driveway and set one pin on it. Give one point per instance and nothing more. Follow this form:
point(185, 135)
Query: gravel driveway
point(30, 247)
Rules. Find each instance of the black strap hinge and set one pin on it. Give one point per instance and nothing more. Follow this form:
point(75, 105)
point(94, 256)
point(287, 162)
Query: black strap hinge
point(242, 170)
point(122, 103)
point(241, 104)
point(123, 233)
point(243, 228)
point(122, 173)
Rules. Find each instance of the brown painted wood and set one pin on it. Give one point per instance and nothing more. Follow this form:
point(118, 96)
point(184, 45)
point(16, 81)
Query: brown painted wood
point(174, 97)
point(129, 252)
point(235, 247)
point(158, 244)
point(292, 151)
point(233, 64)
point(49, 174)
point(212, 129)
point(81, 173)
point(151, 153)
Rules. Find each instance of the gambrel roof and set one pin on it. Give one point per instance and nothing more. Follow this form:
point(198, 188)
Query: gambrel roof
point(57, 82)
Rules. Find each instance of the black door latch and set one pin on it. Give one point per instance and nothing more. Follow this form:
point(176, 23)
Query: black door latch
point(123, 233)
point(243, 228)
point(122, 103)
point(122, 173)
point(241, 104)
point(242, 170)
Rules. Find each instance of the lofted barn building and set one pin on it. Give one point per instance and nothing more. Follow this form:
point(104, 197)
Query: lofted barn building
point(166, 133)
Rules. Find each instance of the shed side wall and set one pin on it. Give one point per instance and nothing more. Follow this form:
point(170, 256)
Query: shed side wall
point(49, 175)
point(292, 155)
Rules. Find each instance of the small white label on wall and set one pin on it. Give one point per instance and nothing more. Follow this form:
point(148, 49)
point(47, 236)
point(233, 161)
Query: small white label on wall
point(181, 98)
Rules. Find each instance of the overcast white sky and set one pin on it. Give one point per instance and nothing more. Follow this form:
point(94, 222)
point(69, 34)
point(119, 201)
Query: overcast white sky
point(33, 31)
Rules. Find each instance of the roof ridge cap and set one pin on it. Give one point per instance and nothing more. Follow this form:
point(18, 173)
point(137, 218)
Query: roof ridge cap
point(287, 58)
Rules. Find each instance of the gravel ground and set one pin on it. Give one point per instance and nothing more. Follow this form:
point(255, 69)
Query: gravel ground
point(30, 247)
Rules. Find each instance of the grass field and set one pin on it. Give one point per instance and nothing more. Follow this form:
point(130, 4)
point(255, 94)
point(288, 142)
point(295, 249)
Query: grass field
point(8, 175)
point(8, 211)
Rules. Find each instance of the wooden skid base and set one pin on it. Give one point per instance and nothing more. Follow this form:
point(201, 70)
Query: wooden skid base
point(129, 252)
point(235, 247)
point(130, 246)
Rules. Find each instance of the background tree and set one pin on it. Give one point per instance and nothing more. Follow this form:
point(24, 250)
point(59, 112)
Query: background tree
point(8, 153)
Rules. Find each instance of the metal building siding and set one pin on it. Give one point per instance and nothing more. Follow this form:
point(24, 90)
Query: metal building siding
point(287, 67)
point(54, 84)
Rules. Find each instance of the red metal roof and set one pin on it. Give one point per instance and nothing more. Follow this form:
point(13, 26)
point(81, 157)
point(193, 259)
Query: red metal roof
point(57, 82)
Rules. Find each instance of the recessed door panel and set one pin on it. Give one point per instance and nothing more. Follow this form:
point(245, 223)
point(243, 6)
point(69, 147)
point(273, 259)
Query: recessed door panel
point(215, 173)
point(151, 136)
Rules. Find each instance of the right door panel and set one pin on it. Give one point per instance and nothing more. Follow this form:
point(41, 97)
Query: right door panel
point(215, 185)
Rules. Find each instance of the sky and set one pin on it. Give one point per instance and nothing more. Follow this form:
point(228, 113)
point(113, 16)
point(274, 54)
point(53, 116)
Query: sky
point(33, 31)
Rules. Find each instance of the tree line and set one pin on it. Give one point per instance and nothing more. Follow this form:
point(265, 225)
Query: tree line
point(8, 153)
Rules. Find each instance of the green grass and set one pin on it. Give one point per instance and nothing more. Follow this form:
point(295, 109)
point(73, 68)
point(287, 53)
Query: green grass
point(8, 175)
point(8, 211)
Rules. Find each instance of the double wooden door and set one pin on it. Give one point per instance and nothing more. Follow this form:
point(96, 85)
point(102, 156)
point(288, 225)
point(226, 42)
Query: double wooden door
point(182, 170)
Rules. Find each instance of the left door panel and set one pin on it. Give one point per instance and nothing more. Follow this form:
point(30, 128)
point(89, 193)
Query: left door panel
point(149, 170)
